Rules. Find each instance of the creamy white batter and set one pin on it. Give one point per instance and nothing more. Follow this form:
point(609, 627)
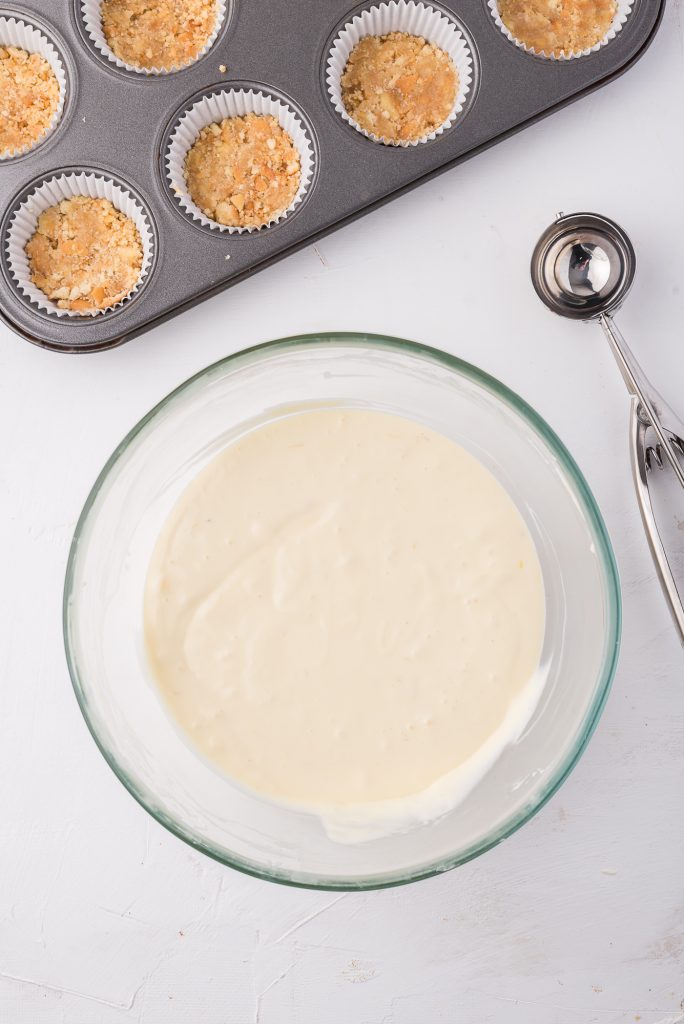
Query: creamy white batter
point(345, 611)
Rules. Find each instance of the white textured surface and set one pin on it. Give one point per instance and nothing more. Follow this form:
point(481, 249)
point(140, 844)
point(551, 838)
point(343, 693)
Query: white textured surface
point(579, 918)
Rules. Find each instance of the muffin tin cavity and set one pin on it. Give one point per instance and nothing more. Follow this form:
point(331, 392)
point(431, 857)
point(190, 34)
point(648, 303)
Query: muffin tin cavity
point(622, 13)
point(90, 15)
point(50, 191)
point(22, 34)
point(213, 107)
point(129, 129)
point(416, 19)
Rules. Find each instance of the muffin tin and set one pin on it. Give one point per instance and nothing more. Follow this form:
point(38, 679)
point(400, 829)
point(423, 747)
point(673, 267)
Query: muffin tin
point(117, 123)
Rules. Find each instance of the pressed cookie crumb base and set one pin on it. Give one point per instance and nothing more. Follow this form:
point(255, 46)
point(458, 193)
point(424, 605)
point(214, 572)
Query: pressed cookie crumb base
point(243, 171)
point(398, 86)
point(85, 254)
point(163, 34)
point(558, 27)
point(29, 98)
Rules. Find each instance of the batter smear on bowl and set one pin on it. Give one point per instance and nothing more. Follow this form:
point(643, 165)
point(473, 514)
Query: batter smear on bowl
point(345, 609)
point(85, 254)
point(243, 171)
point(558, 28)
point(398, 86)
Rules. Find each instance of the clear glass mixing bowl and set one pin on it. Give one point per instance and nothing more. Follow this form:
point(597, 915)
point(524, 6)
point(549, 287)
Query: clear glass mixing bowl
point(136, 490)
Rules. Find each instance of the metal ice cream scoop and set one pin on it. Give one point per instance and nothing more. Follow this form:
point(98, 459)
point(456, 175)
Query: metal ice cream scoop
point(583, 267)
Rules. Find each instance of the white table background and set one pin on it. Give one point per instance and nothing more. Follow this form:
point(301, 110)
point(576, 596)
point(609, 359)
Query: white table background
point(579, 917)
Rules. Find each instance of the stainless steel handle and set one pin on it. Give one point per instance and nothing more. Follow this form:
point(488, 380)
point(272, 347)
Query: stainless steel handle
point(651, 408)
point(639, 449)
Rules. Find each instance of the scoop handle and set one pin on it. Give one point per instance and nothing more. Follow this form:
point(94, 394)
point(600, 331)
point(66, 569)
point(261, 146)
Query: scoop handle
point(650, 407)
point(639, 451)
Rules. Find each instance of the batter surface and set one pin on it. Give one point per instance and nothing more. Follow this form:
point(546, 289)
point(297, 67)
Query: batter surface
point(343, 608)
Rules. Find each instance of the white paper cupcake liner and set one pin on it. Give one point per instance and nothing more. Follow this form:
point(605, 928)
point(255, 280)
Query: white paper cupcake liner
point(233, 103)
point(622, 13)
point(15, 32)
point(92, 21)
point(23, 224)
point(416, 19)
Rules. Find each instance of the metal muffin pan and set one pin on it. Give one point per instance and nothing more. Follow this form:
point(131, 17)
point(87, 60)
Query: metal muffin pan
point(118, 122)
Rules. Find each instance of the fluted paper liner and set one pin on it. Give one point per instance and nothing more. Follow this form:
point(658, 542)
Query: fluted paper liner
point(622, 13)
point(51, 191)
point(91, 14)
point(19, 33)
point(227, 103)
point(416, 19)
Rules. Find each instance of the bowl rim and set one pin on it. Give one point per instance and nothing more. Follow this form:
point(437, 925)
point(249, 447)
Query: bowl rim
point(380, 880)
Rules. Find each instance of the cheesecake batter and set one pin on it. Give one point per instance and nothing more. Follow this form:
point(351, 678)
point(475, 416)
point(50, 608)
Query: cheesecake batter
point(345, 611)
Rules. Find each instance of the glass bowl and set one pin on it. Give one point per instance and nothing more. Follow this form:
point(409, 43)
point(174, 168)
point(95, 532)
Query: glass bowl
point(140, 483)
